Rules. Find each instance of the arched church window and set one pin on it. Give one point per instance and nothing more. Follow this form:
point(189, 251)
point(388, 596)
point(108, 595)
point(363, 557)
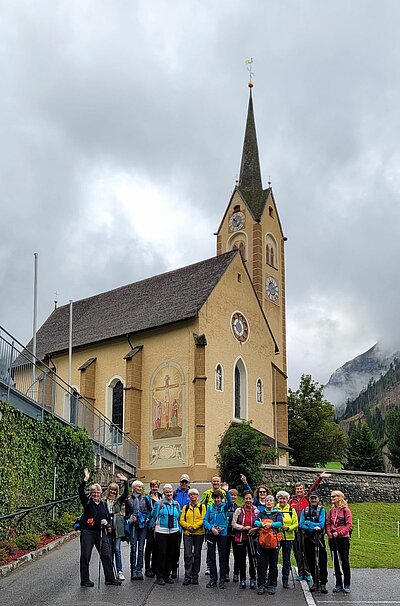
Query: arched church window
point(259, 391)
point(271, 251)
point(240, 391)
point(117, 415)
point(219, 378)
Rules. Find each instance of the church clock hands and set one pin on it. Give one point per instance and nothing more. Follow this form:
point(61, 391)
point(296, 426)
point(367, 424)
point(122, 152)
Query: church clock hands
point(272, 289)
point(240, 327)
point(237, 221)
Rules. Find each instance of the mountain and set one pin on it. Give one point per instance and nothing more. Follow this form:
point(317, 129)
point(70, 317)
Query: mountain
point(348, 380)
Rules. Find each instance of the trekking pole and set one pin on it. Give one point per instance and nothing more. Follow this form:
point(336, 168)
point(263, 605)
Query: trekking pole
point(303, 555)
point(317, 584)
point(252, 548)
point(100, 548)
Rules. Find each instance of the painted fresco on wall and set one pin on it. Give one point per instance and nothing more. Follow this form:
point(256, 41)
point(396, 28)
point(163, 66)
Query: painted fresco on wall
point(167, 438)
point(166, 390)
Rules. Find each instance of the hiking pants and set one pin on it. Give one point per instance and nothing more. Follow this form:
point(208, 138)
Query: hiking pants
point(231, 542)
point(243, 548)
point(166, 553)
point(212, 542)
point(89, 539)
point(311, 552)
point(267, 562)
point(286, 547)
point(299, 554)
point(340, 547)
point(192, 544)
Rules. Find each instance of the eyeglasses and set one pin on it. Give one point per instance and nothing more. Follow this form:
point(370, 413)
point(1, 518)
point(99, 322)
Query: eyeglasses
point(262, 491)
point(184, 482)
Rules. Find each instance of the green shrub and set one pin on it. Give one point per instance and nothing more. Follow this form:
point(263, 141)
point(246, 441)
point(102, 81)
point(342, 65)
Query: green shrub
point(3, 556)
point(48, 533)
point(9, 545)
point(27, 541)
point(64, 523)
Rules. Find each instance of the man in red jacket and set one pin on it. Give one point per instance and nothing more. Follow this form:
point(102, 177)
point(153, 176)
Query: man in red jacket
point(299, 502)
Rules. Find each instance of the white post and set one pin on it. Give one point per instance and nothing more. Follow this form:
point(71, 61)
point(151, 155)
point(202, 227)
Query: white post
point(34, 322)
point(358, 528)
point(398, 528)
point(70, 345)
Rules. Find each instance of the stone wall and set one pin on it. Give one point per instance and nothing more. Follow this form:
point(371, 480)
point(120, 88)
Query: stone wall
point(358, 486)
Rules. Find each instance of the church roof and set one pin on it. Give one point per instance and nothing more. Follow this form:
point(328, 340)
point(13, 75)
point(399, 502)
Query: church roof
point(162, 300)
point(250, 182)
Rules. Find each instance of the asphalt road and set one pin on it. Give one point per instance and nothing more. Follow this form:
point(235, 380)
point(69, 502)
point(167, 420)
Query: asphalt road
point(53, 580)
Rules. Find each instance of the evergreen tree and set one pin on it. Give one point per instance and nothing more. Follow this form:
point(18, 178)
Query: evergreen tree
point(241, 451)
point(363, 452)
point(313, 434)
point(393, 434)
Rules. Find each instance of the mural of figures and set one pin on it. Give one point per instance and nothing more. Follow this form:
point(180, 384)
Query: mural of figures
point(166, 392)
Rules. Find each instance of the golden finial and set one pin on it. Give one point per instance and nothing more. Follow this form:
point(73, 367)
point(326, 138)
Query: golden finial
point(249, 63)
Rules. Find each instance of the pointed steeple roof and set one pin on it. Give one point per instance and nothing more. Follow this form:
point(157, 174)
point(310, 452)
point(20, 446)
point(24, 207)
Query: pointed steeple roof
point(250, 172)
point(250, 183)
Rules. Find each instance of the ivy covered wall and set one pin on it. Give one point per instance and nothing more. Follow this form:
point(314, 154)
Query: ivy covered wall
point(29, 451)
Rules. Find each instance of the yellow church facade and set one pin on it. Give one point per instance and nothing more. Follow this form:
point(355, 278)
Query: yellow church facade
point(175, 359)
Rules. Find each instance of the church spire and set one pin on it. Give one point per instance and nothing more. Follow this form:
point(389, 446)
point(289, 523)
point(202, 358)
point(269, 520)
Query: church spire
point(250, 172)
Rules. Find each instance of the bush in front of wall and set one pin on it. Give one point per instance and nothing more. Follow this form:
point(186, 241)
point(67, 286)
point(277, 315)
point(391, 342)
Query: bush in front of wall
point(28, 541)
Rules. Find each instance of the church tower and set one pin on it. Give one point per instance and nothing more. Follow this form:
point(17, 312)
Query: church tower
point(251, 224)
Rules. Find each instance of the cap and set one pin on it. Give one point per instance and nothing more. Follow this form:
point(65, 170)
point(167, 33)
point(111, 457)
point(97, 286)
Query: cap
point(314, 494)
point(184, 476)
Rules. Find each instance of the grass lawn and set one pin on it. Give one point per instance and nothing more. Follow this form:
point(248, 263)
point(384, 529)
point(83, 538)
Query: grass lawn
point(334, 465)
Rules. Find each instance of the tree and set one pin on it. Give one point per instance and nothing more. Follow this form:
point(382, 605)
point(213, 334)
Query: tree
point(241, 451)
point(363, 452)
point(393, 434)
point(313, 434)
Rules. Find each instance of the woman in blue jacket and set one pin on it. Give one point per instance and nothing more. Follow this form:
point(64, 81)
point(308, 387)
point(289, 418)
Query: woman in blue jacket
point(165, 517)
point(216, 525)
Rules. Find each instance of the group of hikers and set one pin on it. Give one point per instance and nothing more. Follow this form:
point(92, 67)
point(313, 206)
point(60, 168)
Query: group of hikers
point(254, 533)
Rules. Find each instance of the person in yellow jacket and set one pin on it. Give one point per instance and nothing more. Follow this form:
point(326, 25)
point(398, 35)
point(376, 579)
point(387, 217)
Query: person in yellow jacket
point(290, 524)
point(191, 520)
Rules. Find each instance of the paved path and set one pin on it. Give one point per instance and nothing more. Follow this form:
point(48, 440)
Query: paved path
point(53, 580)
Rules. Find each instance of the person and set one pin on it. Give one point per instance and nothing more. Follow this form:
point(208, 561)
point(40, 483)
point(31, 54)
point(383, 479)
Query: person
point(269, 522)
point(93, 524)
point(290, 524)
point(243, 521)
point(192, 522)
point(137, 513)
point(115, 506)
point(339, 525)
point(230, 543)
point(165, 518)
point(299, 501)
point(206, 499)
point(216, 526)
point(312, 522)
point(150, 556)
point(259, 494)
point(181, 494)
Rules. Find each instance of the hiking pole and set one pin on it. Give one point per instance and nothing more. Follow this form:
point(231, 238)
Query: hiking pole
point(252, 548)
point(317, 584)
point(100, 548)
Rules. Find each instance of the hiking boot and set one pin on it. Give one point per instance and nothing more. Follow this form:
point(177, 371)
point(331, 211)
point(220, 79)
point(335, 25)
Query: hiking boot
point(222, 584)
point(87, 584)
point(285, 585)
point(195, 581)
point(309, 578)
point(113, 582)
point(211, 583)
point(323, 588)
point(187, 581)
point(149, 573)
point(337, 589)
point(271, 590)
point(261, 590)
point(253, 583)
point(313, 588)
point(169, 581)
point(299, 577)
point(160, 581)
point(235, 578)
point(346, 589)
point(242, 584)
point(121, 575)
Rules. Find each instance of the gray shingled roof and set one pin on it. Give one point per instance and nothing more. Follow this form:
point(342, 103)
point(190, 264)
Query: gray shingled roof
point(171, 297)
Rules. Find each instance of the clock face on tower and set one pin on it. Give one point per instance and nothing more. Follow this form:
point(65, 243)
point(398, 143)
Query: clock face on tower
point(237, 221)
point(272, 289)
point(240, 327)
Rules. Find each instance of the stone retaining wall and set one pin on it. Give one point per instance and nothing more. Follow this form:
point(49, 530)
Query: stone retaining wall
point(358, 486)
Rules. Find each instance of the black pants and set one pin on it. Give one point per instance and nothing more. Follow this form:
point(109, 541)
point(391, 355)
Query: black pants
point(243, 549)
point(166, 553)
point(299, 553)
point(90, 538)
point(311, 547)
point(150, 552)
point(286, 547)
point(212, 541)
point(267, 562)
point(192, 544)
point(340, 547)
point(230, 542)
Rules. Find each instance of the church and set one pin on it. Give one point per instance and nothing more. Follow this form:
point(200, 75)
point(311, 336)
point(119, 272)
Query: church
point(174, 359)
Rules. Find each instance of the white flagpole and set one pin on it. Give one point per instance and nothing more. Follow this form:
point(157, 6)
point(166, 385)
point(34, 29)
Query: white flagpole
point(34, 327)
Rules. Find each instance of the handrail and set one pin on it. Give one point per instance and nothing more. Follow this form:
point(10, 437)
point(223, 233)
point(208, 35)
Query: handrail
point(25, 510)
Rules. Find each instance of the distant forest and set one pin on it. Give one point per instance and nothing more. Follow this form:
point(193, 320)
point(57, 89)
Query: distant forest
point(373, 394)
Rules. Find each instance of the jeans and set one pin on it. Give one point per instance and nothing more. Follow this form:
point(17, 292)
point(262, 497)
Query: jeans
point(117, 554)
point(212, 541)
point(138, 537)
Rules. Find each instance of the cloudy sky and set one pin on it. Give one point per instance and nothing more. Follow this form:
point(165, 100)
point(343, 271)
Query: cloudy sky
point(122, 125)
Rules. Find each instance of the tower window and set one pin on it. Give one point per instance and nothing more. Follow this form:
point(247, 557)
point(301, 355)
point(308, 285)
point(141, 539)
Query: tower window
point(236, 208)
point(271, 211)
point(271, 251)
point(117, 412)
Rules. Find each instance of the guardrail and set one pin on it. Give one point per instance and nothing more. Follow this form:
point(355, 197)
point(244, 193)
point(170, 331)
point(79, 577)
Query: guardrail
point(29, 384)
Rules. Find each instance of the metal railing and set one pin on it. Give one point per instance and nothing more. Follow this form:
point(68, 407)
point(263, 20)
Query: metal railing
point(29, 384)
